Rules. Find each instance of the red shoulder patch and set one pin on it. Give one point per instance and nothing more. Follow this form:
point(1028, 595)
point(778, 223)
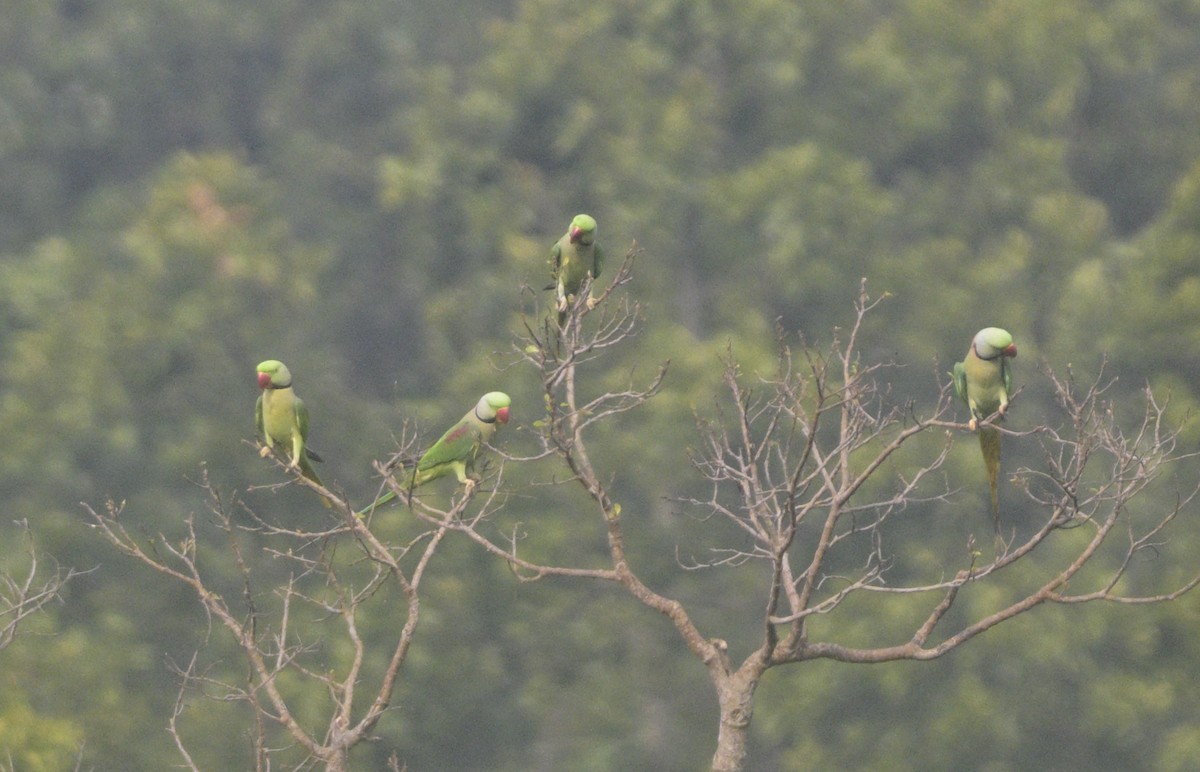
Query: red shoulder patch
point(457, 433)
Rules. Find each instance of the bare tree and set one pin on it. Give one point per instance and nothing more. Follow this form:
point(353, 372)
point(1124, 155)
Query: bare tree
point(269, 616)
point(802, 463)
point(25, 592)
point(812, 465)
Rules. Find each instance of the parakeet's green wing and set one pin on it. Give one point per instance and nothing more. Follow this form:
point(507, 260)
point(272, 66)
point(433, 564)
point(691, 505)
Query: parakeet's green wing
point(555, 264)
point(302, 423)
point(258, 419)
point(597, 261)
point(960, 381)
point(301, 418)
point(454, 445)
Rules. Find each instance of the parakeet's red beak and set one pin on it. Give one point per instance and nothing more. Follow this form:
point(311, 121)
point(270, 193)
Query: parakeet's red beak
point(1011, 351)
point(264, 381)
point(502, 415)
point(576, 234)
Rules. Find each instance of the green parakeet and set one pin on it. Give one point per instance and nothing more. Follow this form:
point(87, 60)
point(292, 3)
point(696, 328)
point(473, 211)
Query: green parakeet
point(456, 450)
point(282, 419)
point(573, 258)
point(984, 381)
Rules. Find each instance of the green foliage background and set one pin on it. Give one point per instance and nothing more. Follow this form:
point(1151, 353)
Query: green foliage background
point(360, 189)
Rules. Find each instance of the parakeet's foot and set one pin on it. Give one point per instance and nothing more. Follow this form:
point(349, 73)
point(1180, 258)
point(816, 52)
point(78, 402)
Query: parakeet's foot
point(560, 305)
point(469, 485)
point(973, 423)
point(1003, 409)
point(591, 303)
point(264, 451)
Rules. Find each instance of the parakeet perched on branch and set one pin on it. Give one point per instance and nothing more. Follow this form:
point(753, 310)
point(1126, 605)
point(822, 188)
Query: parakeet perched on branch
point(456, 450)
point(984, 381)
point(573, 258)
point(282, 419)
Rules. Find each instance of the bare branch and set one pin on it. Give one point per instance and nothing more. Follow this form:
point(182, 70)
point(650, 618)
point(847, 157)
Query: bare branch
point(25, 593)
point(813, 463)
point(266, 628)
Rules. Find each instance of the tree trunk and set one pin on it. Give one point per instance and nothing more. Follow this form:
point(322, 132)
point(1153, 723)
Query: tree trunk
point(336, 760)
point(736, 697)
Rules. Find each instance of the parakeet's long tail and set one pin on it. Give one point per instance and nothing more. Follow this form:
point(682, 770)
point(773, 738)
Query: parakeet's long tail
point(379, 502)
point(307, 470)
point(411, 481)
point(989, 443)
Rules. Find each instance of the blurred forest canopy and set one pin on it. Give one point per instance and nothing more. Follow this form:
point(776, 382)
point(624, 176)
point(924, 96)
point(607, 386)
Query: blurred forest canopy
point(362, 190)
